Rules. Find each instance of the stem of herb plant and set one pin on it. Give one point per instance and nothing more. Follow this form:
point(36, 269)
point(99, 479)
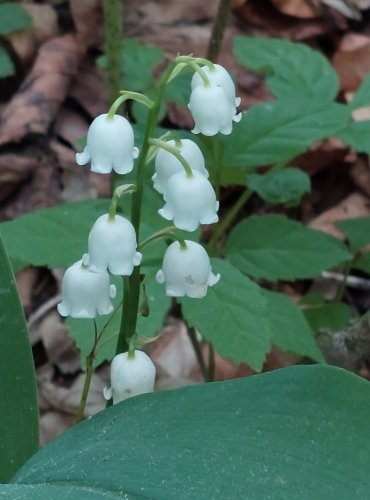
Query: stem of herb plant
point(112, 46)
point(218, 29)
point(342, 286)
point(88, 377)
point(132, 289)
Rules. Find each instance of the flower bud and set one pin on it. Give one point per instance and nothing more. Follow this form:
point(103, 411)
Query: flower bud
point(112, 245)
point(110, 144)
point(166, 164)
point(85, 294)
point(190, 201)
point(130, 376)
point(186, 271)
point(218, 76)
point(211, 110)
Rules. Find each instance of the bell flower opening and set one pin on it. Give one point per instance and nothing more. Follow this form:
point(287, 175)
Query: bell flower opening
point(110, 145)
point(186, 271)
point(190, 201)
point(85, 294)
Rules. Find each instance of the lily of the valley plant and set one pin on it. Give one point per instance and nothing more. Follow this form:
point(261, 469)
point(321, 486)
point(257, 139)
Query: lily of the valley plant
point(189, 200)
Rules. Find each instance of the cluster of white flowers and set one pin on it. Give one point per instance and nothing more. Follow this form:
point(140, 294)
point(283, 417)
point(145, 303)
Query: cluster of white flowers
point(190, 200)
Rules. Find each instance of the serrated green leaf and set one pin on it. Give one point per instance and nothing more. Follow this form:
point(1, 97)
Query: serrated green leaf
point(277, 248)
point(357, 231)
point(6, 64)
point(356, 135)
point(300, 432)
point(331, 317)
point(19, 429)
point(291, 69)
point(53, 237)
point(180, 88)
point(362, 96)
point(13, 17)
point(232, 316)
point(277, 131)
point(290, 330)
point(137, 60)
point(284, 186)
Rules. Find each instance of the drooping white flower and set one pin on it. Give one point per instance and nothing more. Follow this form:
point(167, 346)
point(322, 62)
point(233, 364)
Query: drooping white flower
point(112, 245)
point(212, 111)
point(186, 271)
point(130, 376)
point(166, 164)
point(218, 76)
point(190, 201)
point(85, 294)
point(110, 145)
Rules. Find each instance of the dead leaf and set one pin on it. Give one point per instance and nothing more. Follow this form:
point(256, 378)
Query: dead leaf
point(52, 424)
point(296, 8)
point(352, 61)
point(35, 104)
point(14, 169)
point(26, 280)
point(88, 19)
point(360, 175)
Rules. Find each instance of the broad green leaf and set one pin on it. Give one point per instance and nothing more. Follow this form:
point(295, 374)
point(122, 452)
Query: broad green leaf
point(6, 64)
point(232, 316)
point(362, 263)
point(277, 131)
point(180, 88)
point(19, 432)
point(277, 248)
point(356, 135)
point(357, 231)
point(291, 69)
point(328, 316)
point(300, 432)
point(284, 186)
point(13, 17)
point(290, 330)
point(138, 61)
point(362, 96)
point(53, 237)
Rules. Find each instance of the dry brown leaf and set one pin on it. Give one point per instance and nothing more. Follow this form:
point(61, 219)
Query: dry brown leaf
point(88, 19)
point(26, 280)
point(360, 175)
point(52, 424)
point(352, 60)
point(14, 169)
point(355, 205)
point(34, 106)
point(296, 8)
point(44, 27)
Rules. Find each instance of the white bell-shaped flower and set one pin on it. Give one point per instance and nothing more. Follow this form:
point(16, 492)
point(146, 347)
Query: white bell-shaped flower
point(85, 294)
point(130, 376)
point(186, 271)
point(190, 201)
point(212, 111)
point(218, 76)
point(110, 145)
point(112, 245)
point(166, 164)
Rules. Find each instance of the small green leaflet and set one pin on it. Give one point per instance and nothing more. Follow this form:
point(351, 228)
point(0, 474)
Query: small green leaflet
point(357, 231)
point(13, 17)
point(291, 69)
point(331, 317)
point(290, 330)
point(277, 248)
point(356, 135)
point(6, 64)
point(284, 186)
point(232, 316)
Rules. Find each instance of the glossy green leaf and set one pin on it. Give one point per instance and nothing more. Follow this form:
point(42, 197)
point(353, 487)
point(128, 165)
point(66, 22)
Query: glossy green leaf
point(357, 231)
point(291, 69)
point(290, 330)
point(18, 398)
point(6, 64)
point(284, 186)
point(13, 17)
point(331, 317)
point(362, 263)
point(277, 248)
point(277, 131)
point(53, 237)
point(232, 316)
point(300, 432)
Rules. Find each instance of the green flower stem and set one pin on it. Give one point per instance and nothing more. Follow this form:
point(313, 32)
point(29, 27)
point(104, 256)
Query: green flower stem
point(218, 29)
point(165, 233)
point(132, 287)
point(88, 376)
point(118, 192)
point(201, 73)
point(112, 46)
point(173, 150)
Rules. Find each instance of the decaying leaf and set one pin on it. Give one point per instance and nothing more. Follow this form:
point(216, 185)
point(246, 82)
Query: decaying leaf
point(352, 60)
